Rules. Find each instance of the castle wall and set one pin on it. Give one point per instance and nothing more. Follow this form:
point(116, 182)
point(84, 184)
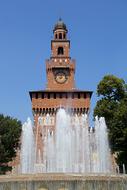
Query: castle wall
point(46, 100)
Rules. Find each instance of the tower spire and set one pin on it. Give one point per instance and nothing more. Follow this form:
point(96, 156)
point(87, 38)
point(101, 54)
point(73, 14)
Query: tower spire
point(60, 19)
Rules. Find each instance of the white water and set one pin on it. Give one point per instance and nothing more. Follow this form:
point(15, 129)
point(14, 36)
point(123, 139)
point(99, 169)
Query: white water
point(73, 148)
point(27, 148)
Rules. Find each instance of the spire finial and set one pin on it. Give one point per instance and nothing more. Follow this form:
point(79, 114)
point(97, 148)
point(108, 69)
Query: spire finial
point(60, 19)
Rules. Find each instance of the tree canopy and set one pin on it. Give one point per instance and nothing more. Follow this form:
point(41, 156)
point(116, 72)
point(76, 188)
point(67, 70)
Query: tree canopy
point(113, 106)
point(10, 131)
point(112, 88)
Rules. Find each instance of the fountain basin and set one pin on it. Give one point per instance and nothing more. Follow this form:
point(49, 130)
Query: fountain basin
point(59, 181)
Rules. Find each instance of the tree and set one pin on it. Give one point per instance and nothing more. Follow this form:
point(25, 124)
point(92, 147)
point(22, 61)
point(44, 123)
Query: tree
point(112, 88)
point(10, 131)
point(113, 106)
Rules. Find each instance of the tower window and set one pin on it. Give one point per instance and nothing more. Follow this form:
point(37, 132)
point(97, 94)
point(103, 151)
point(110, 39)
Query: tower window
point(60, 51)
point(64, 36)
point(56, 36)
point(60, 35)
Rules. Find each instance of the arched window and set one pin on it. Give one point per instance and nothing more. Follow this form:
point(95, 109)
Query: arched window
point(64, 36)
point(60, 51)
point(60, 35)
point(56, 36)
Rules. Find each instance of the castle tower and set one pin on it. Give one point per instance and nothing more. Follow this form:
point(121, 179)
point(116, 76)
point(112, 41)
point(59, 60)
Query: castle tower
point(60, 89)
point(60, 68)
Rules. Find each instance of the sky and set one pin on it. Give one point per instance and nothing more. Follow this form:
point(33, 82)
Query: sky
point(98, 33)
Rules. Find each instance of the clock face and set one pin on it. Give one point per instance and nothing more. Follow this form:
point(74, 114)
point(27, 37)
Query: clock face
point(61, 77)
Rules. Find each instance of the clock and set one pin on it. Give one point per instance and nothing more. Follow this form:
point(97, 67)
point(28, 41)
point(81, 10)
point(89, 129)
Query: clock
point(60, 77)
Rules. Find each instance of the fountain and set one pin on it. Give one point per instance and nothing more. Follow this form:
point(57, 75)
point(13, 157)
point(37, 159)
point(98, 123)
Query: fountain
point(76, 157)
point(27, 148)
point(73, 148)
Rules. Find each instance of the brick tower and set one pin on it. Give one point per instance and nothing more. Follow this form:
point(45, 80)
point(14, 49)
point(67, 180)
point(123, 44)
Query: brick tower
point(60, 89)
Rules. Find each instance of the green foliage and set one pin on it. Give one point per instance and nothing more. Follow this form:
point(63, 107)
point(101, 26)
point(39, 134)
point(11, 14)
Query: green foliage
point(113, 106)
point(10, 131)
point(112, 88)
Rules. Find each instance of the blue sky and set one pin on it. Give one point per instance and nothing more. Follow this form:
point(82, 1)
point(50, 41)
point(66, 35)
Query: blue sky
point(98, 34)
